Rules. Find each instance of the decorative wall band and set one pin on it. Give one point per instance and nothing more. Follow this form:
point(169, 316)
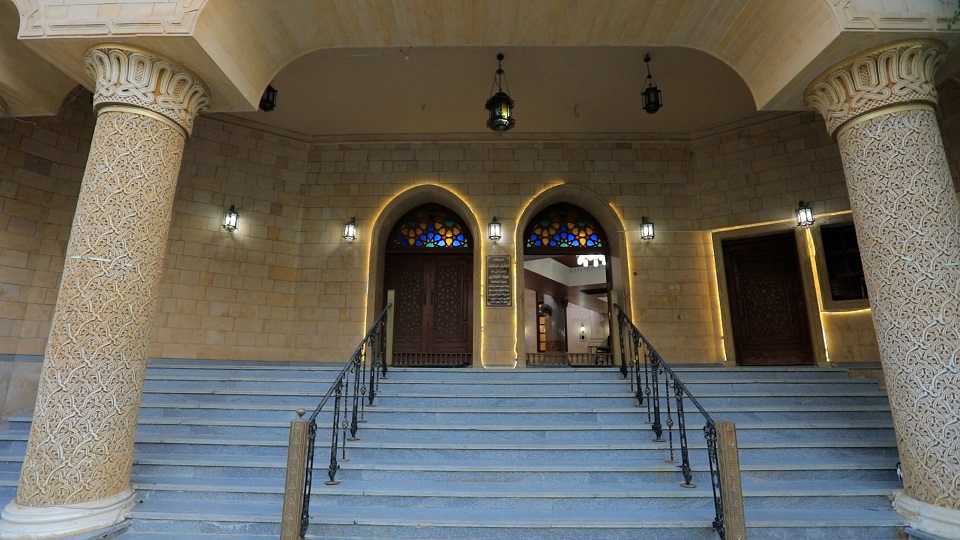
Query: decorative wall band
point(896, 74)
point(923, 106)
point(137, 78)
point(143, 111)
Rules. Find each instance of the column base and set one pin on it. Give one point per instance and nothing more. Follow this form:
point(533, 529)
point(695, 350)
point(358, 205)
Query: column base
point(928, 518)
point(23, 522)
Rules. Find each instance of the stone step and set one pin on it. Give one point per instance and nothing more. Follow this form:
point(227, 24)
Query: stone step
point(639, 524)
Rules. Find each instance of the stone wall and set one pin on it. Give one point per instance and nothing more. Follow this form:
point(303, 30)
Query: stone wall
point(285, 286)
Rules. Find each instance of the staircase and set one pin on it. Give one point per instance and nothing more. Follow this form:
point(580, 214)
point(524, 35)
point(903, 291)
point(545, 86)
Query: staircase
point(539, 453)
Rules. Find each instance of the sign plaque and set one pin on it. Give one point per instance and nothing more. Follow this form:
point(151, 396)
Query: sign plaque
point(499, 287)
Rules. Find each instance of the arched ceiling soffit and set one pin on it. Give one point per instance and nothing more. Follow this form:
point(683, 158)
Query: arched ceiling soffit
point(238, 47)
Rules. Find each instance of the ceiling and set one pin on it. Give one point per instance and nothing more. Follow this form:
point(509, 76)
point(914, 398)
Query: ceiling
point(558, 90)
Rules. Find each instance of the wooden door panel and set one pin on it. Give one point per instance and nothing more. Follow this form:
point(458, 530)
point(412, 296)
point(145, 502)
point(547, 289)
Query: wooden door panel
point(433, 309)
point(450, 293)
point(768, 309)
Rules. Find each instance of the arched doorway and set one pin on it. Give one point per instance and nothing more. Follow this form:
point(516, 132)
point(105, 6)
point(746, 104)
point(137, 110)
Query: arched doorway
point(429, 263)
point(566, 279)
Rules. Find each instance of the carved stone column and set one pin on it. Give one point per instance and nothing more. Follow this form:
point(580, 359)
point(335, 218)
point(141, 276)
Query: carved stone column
point(76, 473)
point(880, 107)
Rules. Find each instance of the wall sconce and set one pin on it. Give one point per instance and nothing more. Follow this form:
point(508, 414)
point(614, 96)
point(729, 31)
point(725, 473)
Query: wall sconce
point(804, 215)
point(646, 229)
point(494, 230)
point(269, 99)
point(350, 231)
point(583, 332)
point(651, 94)
point(500, 105)
point(230, 219)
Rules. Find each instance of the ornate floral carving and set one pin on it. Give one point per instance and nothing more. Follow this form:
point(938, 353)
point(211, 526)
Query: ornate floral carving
point(908, 225)
point(901, 74)
point(129, 77)
point(81, 441)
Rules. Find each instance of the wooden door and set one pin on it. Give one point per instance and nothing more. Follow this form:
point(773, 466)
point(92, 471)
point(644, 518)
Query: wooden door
point(433, 310)
point(768, 310)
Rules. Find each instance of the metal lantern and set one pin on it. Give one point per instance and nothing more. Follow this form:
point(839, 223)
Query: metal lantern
point(494, 230)
point(269, 99)
point(651, 94)
point(500, 106)
point(350, 231)
point(231, 219)
point(646, 229)
point(805, 217)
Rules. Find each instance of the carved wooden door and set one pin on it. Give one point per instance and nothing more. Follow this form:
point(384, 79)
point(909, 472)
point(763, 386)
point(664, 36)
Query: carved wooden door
point(768, 310)
point(433, 309)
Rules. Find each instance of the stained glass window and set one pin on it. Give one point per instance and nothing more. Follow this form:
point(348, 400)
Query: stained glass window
point(564, 226)
point(430, 226)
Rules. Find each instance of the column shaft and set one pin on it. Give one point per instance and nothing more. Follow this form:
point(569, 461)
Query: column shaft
point(80, 450)
point(881, 109)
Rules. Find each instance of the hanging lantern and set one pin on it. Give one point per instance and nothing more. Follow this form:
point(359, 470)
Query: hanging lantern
point(350, 230)
point(269, 99)
point(494, 230)
point(651, 94)
point(500, 106)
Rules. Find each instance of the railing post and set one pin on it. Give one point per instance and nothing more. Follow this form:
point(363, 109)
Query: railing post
point(391, 297)
point(728, 459)
point(296, 478)
point(616, 347)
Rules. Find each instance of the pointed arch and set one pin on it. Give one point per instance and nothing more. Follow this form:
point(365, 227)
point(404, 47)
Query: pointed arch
point(384, 225)
point(606, 218)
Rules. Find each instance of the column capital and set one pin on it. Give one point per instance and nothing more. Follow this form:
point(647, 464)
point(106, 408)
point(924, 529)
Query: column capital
point(3, 107)
point(896, 74)
point(128, 77)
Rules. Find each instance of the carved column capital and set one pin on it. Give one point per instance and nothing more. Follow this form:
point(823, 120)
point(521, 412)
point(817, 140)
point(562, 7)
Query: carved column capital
point(898, 74)
point(127, 77)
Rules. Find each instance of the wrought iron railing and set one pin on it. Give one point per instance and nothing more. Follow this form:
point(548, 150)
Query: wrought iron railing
point(352, 391)
point(657, 387)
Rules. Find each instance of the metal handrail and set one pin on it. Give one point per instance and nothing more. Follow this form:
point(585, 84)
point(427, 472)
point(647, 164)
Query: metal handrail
point(643, 365)
point(365, 369)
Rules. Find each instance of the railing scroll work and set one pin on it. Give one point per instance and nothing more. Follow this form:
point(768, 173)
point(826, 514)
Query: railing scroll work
point(657, 388)
point(354, 389)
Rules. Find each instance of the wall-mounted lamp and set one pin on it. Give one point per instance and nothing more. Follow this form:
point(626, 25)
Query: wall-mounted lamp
point(500, 106)
point(269, 99)
point(583, 332)
point(646, 229)
point(230, 219)
point(350, 230)
point(494, 230)
point(651, 94)
point(804, 215)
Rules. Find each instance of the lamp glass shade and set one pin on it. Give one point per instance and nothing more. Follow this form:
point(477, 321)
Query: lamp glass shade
point(231, 219)
point(350, 230)
point(494, 230)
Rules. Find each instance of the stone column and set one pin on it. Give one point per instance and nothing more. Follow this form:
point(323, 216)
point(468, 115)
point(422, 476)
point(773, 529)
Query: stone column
point(76, 473)
point(3, 108)
point(881, 109)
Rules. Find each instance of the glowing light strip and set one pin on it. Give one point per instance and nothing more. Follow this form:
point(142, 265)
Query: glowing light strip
point(716, 297)
point(812, 252)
